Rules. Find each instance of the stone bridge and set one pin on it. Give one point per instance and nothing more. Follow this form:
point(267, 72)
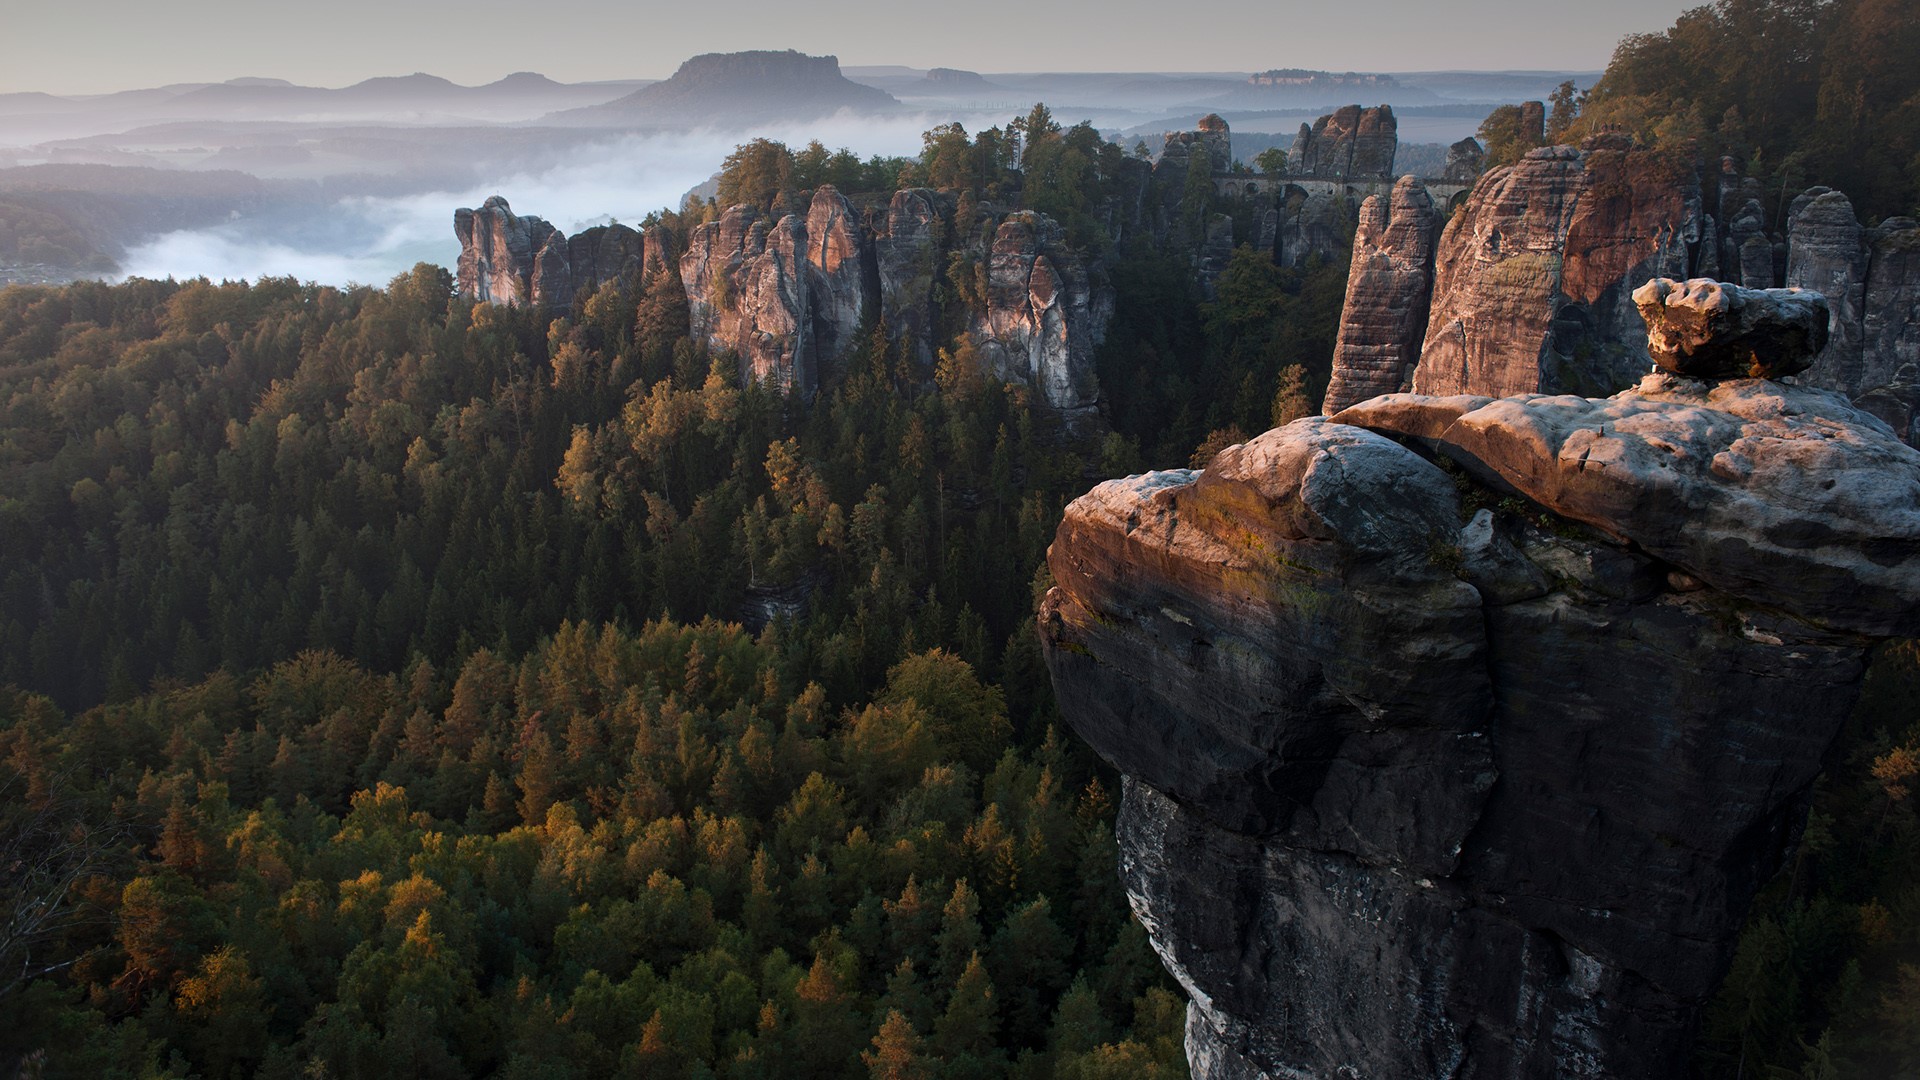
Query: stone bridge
point(1446, 193)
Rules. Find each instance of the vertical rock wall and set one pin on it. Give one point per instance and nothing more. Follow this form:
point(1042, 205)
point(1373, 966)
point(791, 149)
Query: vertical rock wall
point(1389, 287)
point(1534, 276)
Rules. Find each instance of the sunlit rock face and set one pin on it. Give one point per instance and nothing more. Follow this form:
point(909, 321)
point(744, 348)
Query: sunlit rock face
point(1039, 325)
point(747, 293)
point(1414, 791)
point(841, 282)
point(1534, 276)
point(501, 255)
point(525, 261)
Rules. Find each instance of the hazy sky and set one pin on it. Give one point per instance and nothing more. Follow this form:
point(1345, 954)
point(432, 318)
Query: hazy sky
point(90, 46)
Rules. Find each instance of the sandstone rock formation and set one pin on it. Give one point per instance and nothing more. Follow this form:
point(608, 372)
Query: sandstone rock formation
point(841, 271)
point(1309, 224)
point(1746, 247)
point(1039, 325)
point(1211, 134)
point(1890, 331)
point(1210, 261)
point(604, 253)
point(499, 252)
point(907, 257)
point(519, 261)
point(1410, 796)
point(1826, 252)
point(1897, 402)
point(746, 285)
point(1706, 330)
point(1349, 143)
point(1533, 278)
point(1466, 160)
point(1389, 285)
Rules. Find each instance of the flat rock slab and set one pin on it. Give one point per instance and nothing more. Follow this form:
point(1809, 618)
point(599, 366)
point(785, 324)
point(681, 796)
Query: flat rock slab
point(1780, 494)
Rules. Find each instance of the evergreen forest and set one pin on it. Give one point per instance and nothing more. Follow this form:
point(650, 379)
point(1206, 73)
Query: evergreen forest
point(397, 686)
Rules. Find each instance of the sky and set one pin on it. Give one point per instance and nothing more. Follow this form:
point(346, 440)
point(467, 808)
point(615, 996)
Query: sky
point(98, 46)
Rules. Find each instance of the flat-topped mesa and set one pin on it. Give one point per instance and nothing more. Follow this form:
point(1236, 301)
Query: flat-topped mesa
point(524, 261)
point(1705, 329)
point(1416, 793)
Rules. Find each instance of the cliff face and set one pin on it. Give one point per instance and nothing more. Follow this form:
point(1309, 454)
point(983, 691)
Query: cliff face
point(1416, 793)
point(1039, 324)
point(907, 255)
point(498, 254)
point(841, 279)
point(1389, 285)
point(1871, 279)
point(1349, 143)
point(1533, 278)
point(520, 261)
point(746, 284)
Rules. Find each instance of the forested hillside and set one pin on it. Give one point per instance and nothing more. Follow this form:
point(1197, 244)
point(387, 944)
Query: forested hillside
point(1795, 92)
point(404, 686)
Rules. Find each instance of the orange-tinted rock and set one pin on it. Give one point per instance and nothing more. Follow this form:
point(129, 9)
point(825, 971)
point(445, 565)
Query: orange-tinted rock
point(1705, 329)
point(746, 287)
point(1533, 277)
point(498, 252)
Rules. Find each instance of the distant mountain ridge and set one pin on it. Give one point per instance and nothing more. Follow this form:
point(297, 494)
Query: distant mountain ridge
point(741, 87)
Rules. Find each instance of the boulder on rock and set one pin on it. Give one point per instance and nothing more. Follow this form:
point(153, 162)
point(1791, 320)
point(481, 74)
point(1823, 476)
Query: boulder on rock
point(1706, 329)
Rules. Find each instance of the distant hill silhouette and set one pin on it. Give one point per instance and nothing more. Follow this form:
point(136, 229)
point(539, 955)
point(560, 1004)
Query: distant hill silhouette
point(742, 87)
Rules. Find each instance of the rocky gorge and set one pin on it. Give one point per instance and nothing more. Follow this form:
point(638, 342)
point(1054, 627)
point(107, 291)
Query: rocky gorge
point(1459, 730)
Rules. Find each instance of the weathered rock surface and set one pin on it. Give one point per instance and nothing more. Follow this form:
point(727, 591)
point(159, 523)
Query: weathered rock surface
point(746, 287)
point(842, 273)
point(1704, 329)
point(1534, 276)
point(1210, 261)
point(1897, 403)
point(1890, 332)
point(519, 261)
point(1211, 134)
point(1770, 492)
point(1466, 160)
point(1826, 253)
point(1411, 798)
point(1389, 285)
point(604, 253)
point(1746, 253)
point(1348, 143)
point(1039, 326)
point(498, 253)
point(907, 254)
point(1309, 224)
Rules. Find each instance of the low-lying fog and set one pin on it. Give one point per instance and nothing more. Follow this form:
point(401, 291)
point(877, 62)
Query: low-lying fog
point(368, 240)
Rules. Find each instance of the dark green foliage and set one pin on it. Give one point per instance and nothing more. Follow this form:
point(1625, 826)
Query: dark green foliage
point(1796, 91)
point(1826, 981)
